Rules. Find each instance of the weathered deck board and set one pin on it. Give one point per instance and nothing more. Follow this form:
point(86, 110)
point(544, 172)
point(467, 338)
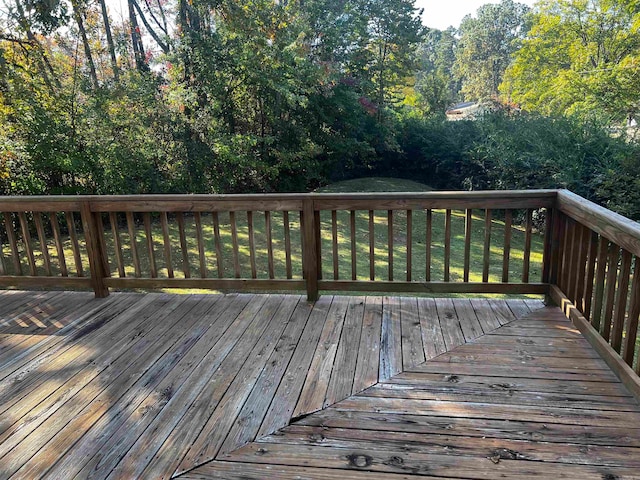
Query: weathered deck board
point(248, 386)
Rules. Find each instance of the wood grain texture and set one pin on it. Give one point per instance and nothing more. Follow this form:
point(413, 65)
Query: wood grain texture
point(181, 383)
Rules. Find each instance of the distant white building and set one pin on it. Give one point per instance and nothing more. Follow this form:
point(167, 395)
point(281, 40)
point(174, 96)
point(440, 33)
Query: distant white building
point(466, 111)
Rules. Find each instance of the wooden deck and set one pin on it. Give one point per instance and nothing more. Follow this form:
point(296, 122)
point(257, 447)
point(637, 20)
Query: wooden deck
point(270, 386)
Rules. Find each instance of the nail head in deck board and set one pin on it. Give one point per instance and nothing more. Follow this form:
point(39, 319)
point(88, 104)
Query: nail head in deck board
point(390, 339)
point(285, 399)
point(344, 365)
point(451, 330)
point(412, 348)
point(318, 377)
point(432, 337)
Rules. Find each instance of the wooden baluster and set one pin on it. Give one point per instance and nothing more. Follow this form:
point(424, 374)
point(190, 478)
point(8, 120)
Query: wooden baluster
point(614, 254)
point(113, 220)
point(409, 244)
point(186, 266)
point(621, 302)
point(55, 226)
point(598, 297)
point(267, 223)
point(42, 238)
point(354, 265)
point(628, 352)
point(526, 261)
point(390, 243)
point(428, 246)
point(132, 240)
point(102, 244)
point(318, 242)
point(566, 243)
point(372, 246)
point(547, 252)
point(591, 267)
point(234, 243)
point(551, 272)
point(447, 245)
point(202, 259)
point(574, 253)
point(334, 238)
point(164, 223)
point(26, 239)
point(506, 250)
point(582, 266)
point(487, 246)
point(252, 245)
point(13, 244)
point(3, 264)
point(287, 243)
point(218, 243)
point(149, 237)
point(311, 261)
point(71, 225)
point(467, 243)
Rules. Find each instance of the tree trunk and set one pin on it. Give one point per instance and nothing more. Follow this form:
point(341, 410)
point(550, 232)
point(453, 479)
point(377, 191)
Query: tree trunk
point(112, 49)
point(164, 46)
point(136, 39)
point(77, 14)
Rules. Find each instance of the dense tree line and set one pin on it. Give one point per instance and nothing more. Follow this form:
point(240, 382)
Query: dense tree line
point(273, 95)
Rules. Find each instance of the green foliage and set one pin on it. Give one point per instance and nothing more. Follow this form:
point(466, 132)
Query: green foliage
point(580, 58)
point(486, 44)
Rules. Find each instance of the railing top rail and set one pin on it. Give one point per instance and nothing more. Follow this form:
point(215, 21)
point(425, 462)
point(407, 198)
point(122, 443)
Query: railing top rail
point(613, 226)
point(283, 201)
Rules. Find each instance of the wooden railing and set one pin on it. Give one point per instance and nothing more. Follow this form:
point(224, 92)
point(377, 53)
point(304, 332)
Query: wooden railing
point(541, 241)
point(594, 265)
point(428, 242)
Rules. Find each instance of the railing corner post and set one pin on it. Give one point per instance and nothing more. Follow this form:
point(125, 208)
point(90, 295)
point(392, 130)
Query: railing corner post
point(310, 260)
point(95, 250)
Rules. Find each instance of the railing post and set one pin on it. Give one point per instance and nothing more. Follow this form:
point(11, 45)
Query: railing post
point(310, 260)
point(97, 258)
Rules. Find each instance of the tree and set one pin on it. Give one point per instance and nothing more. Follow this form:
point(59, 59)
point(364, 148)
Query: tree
point(394, 31)
point(580, 57)
point(486, 45)
point(435, 83)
